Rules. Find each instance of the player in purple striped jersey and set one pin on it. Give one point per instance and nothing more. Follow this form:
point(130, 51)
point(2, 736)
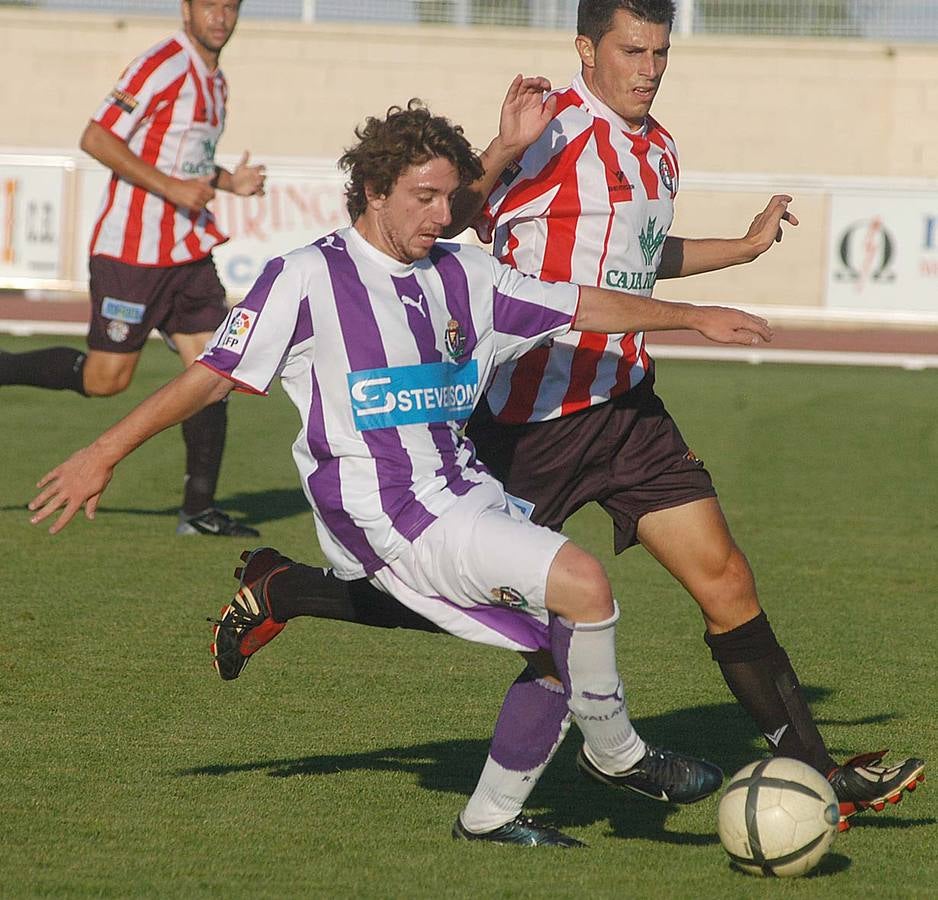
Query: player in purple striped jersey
point(383, 339)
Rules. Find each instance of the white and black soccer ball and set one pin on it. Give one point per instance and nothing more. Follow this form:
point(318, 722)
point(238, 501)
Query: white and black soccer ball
point(777, 817)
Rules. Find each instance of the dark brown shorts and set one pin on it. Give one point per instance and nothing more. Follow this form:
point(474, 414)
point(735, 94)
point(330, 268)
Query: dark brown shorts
point(627, 455)
point(127, 302)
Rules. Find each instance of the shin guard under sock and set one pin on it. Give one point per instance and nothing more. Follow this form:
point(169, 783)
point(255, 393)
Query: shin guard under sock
point(55, 368)
point(760, 675)
point(585, 656)
point(204, 436)
point(301, 590)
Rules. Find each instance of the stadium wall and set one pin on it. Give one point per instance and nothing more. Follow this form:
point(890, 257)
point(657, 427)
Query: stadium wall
point(737, 106)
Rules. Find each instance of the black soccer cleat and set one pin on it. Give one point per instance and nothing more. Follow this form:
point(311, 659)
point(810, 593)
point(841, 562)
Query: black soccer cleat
point(862, 783)
point(246, 624)
point(661, 775)
point(521, 830)
point(215, 522)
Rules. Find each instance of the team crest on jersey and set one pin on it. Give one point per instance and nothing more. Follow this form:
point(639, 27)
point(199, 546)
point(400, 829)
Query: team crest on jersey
point(455, 339)
point(650, 241)
point(123, 101)
point(239, 327)
point(666, 171)
point(509, 597)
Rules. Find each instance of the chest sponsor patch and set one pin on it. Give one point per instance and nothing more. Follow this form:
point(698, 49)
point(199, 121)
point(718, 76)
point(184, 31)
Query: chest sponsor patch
point(240, 322)
point(412, 395)
point(122, 311)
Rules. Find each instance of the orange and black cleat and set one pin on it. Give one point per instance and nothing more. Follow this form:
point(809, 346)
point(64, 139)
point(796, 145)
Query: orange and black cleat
point(863, 783)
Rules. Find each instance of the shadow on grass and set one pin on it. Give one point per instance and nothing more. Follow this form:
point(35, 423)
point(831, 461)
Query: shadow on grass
point(720, 732)
point(251, 508)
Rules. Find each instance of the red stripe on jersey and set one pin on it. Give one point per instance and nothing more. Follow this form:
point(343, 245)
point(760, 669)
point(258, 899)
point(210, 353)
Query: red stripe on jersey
point(108, 204)
point(139, 78)
point(640, 146)
point(193, 244)
point(562, 217)
point(620, 189)
point(548, 178)
point(211, 84)
point(200, 114)
point(167, 233)
point(589, 351)
point(149, 153)
point(525, 380)
point(626, 361)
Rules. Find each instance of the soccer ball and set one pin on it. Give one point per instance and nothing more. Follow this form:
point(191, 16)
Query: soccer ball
point(777, 817)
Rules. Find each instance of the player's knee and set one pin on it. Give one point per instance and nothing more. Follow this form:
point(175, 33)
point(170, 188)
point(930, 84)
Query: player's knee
point(106, 384)
point(578, 588)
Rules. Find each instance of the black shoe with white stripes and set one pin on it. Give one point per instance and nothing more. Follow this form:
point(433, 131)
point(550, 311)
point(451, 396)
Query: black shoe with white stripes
point(214, 522)
point(862, 783)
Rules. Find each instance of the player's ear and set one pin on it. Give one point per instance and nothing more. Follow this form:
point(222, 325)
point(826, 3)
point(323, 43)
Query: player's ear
point(586, 49)
point(372, 197)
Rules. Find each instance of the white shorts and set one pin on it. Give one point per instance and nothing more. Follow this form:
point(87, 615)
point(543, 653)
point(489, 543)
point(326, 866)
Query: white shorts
point(479, 572)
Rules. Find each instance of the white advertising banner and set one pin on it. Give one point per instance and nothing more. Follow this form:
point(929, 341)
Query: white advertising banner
point(300, 204)
point(883, 252)
point(32, 221)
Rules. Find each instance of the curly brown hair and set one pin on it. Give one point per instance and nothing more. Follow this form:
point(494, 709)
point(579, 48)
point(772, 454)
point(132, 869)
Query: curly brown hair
point(406, 137)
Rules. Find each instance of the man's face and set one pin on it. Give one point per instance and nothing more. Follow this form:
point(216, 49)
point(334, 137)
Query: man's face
point(209, 23)
point(406, 222)
point(625, 68)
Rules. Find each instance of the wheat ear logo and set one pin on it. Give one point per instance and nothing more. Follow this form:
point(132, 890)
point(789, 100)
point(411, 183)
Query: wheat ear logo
point(650, 240)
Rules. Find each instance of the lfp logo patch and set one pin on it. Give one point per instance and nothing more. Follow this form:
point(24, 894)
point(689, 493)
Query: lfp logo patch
point(411, 395)
point(239, 327)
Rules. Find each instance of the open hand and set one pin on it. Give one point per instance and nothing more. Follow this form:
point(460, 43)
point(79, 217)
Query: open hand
point(766, 227)
point(248, 180)
point(525, 114)
point(77, 482)
point(732, 326)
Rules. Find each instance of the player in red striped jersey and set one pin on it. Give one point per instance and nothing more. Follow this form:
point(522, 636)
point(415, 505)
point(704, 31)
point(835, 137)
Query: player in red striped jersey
point(150, 256)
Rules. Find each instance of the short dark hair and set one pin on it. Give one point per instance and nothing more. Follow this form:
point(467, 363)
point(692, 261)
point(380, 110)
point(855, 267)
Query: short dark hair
point(594, 17)
point(406, 137)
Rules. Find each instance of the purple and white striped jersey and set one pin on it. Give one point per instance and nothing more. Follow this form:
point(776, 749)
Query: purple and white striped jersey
point(384, 361)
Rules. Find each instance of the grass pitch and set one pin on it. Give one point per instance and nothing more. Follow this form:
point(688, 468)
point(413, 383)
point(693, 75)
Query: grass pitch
point(335, 766)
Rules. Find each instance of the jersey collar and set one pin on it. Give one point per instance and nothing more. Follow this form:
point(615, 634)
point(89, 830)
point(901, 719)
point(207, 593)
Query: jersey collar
point(599, 109)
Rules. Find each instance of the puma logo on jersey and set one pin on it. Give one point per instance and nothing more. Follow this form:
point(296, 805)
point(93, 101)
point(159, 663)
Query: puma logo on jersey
point(416, 304)
point(328, 242)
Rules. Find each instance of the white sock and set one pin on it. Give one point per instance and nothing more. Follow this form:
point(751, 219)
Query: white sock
point(585, 654)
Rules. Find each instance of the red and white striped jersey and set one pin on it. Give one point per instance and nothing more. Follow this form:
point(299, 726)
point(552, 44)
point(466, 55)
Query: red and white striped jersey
point(589, 202)
point(170, 110)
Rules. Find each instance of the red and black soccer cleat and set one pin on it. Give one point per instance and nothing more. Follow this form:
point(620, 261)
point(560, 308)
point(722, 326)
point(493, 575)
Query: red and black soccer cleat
point(862, 783)
point(246, 623)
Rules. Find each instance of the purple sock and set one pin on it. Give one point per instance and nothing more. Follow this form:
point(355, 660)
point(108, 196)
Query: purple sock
point(531, 725)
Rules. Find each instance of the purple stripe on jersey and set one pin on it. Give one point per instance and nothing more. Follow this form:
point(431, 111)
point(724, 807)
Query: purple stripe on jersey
point(420, 324)
point(325, 486)
point(222, 360)
point(456, 292)
point(411, 296)
point(304, 324)
point(365, 350)
point(531, 723)
point(260, 291)
point(523, 318)
point(512, 624)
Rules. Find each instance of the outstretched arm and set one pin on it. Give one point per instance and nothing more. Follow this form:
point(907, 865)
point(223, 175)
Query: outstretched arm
point(611, 312)
point(524, 116)
point(686, 256)
point(82, 478)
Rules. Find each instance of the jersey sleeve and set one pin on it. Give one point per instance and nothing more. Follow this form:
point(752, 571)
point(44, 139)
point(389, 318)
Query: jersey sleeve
point(526, 187)
point(251, 346)
point(527, 311)
point(150, 79)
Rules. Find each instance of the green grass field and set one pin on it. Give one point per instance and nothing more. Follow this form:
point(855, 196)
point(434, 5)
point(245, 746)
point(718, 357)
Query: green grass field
point(335, 766)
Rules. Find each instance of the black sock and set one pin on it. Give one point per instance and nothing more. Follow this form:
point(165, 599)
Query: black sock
point(762, 679)
point(204, 435)
point(308, 591)
point(55, 368)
